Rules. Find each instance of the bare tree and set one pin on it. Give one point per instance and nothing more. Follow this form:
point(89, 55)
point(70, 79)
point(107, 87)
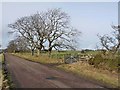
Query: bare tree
point(19, 44)
point(29, 28)
point(60, 32)
point(111, 43)
point(40, 30)
point(24, 27)
point(22, 44)
point(117, 36)
point(49, 29)
point(12, 46)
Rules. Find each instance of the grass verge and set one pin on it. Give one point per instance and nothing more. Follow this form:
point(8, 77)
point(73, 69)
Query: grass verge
point(6, 78)
point(1, 75)
point(88, 71)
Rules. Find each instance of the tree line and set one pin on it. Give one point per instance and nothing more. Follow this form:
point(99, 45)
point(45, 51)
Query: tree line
point(44, 31)
point(52, 30)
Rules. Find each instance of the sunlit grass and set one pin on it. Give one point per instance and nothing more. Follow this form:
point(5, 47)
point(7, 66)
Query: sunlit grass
point(84, 69)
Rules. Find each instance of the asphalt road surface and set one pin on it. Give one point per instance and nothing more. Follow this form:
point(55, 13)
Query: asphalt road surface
point(27, 74)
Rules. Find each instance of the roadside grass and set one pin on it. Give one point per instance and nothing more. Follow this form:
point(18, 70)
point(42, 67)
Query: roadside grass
point(1, 75)
point(6, 78)
point(88, 71)
point(43, 58)
point(80, 68)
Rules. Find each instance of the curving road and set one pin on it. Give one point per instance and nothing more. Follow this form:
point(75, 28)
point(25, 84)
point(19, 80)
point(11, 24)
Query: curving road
point(26, 74)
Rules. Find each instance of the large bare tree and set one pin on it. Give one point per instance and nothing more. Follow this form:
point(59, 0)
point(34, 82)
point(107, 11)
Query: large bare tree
point(60, 32)
point(47, 30)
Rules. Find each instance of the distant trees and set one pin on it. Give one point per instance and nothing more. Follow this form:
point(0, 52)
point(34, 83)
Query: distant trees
point(111, 43)
point(47, 30)
point(19, 44)
point(12, 47)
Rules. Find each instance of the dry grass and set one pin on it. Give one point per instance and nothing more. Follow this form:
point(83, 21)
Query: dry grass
point(84, 69)
point(81, 68)
point(1, 76)
point(42, 58)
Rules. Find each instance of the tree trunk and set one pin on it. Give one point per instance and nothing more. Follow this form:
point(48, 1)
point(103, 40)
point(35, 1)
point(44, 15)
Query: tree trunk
point(38, 51)
point(32, 52)
point(50, 49)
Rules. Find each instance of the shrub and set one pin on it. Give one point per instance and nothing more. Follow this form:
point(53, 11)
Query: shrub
point(100, 61)
point(96, 60)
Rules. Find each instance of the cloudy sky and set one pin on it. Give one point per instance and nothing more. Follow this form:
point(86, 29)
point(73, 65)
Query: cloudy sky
point(90, 18)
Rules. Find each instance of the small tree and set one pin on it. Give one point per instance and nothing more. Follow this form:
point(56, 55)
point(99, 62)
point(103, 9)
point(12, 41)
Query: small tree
point(111, 43)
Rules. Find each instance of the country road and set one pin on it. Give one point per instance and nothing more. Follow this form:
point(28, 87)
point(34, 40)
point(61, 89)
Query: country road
point(26, 74)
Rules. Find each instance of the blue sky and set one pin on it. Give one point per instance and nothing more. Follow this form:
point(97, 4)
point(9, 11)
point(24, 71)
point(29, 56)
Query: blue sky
point(90, 18)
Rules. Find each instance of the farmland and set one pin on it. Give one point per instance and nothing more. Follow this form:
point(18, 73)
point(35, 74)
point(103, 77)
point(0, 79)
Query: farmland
point(82, 68)
point(60, 48)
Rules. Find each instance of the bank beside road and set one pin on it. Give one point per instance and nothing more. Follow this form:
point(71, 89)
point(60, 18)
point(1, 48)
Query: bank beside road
point(5, 78)
point(1, 76)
